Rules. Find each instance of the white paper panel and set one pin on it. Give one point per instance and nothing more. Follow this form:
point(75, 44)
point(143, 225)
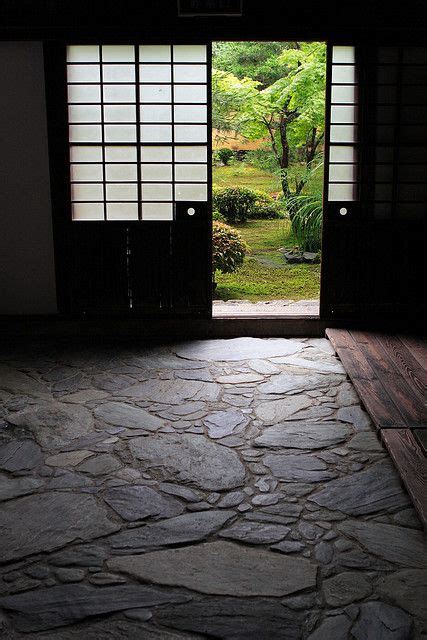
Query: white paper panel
point(84, 113)
point(196, 192)
point(343, 54)
point(120, 172)
point(156, 172)
point(83, 53)
point(83, 73)
point(190, 133)
point(84, 93)
point(157, 211)
point(190, 113)
point(86, 172)
point(343, 133)
point(85, 154)
point(189, 53)
point(85, 133)
point(191, 172)
point(154, 73)
point(191, 154)
point(118, 53)
point(344, 94)
point(121, 192)
point(156, 192)
point(119, 93)
point(155, 53)
point(156, 154)
point(191, 93)
point(156, 113)
point(92, 192)
point(342, 192)
point(155, 93)
point(342, 173)
point(120, 113)
point(122, 211)
point(87, 211)
point(343, 74)
point(118, 73)
point(343, 114)
point(189, 73)
point(120, 154)
point(156, 133)
point(342, 154)
point(120, 133)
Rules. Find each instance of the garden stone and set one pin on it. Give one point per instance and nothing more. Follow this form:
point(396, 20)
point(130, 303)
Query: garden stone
point(324, 552)
point(138, 502)
point(49, 521)
point(346, 588)
point(187, 494)
point(333, 628)
point(191, 459)
point(195, 374)
point(102, 578)
point(172, 392)
point(232, 499)
point(54, 423)
point(406, 588)
point(236, 349)
point(294, 468)
point(291, 383)
point(82, 555)
point(189, 527)
point(240, 378)
point(302, 435)
point(20, 455)
point(221, 568)
point(291, 546)
point(408, 518)
point(17, 382)
point(365, 441)
point(330, 365)
point(368, 491)
point(124, 415)
point(65, 604)
point(224, 423)
point(396, 544)
point(14, 487)
point(347, 395)
point(356, 416)
point(275, 411)
point(70, 575)
point(100, 465)
point(255, 533)
point(68, 459)
point(380, 621)
point(263, 366)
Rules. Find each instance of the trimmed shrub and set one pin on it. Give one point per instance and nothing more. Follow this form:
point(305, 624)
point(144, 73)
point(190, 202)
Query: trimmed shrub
point(224, 155)
point(234, 203)
point(217, 216)
point(228, 248)
point(265, 207)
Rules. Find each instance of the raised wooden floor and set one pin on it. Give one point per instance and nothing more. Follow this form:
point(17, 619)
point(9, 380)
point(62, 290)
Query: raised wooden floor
point(389, 373)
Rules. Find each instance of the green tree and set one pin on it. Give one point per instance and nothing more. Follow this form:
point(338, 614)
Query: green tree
point(290, 111)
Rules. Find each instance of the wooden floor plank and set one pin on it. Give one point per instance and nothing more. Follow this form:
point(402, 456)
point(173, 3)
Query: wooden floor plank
point(418, 348)
point(406, 364)
point(355, 363)
point(382, 409)
point(412, 465)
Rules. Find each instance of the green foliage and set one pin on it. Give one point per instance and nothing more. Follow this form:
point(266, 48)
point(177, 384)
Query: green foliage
point(265, 207)
point(224, 155)
point(228, 248)
point(306, 217)
point(234, 203)
point(217, 216)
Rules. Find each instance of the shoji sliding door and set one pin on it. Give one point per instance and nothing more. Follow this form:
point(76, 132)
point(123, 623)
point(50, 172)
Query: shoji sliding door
point(139, 169)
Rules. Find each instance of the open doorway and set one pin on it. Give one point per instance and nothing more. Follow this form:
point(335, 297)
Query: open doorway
point(268, 122)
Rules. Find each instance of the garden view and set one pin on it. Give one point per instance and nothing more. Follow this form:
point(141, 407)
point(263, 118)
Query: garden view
point(268, 102)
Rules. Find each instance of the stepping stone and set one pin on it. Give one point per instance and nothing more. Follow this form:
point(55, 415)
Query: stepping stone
point(346, 588)
point(49, 521)
point(54, 423)
point(233, 619)
point(223, 423)
point(298, 468)
point(121, 414)
point(191, 459)
point(396, 544)
point(236, 349)
point(172, 392)
point(221, 568)
point(65, 604)
point(189, 527)
point(302, 435)
point(138, 502)
point(20, 455)
point(255, 532)
point(406, 588)
point(14, 487)
point(275, 411)
point(380, 621)
point(368, 491)
point(18, 383)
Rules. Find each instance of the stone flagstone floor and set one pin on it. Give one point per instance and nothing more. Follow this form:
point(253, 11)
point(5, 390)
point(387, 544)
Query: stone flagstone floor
point(212, 489)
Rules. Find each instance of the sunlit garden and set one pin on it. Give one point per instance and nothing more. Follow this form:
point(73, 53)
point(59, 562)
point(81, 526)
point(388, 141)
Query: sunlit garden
point(268, 124)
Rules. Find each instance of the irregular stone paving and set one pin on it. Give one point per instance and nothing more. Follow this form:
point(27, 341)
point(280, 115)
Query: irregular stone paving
point(228, 489)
